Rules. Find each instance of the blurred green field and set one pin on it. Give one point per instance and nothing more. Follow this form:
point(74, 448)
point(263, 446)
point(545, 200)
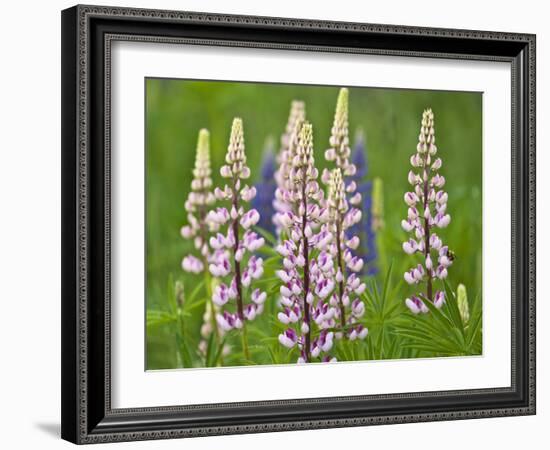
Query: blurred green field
point(390, 119)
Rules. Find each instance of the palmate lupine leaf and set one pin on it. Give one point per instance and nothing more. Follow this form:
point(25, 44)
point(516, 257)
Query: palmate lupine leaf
point(384, 313)
point(177, 317)
point(194, 297)
point(452, 308)
point(173, 319)
point(177, 301)
point(474, 331)
point(442, 332)
point(387, 282)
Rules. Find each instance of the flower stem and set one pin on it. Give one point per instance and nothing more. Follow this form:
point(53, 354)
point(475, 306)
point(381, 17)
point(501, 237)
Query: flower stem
point(306, 272)
point(427, 235)
point(341, 283)
point(207, 277)
point(244, 336)
point(240, 311)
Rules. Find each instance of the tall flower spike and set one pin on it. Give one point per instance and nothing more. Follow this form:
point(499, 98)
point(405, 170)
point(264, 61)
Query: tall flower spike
point(265, 188)
point(308, 280)
point(349, 307)
point(289, 141)
point(427, 206)
point(367, 248)
point(344, 214)
point(233, 259)
point(199, 200)
point(339, 150)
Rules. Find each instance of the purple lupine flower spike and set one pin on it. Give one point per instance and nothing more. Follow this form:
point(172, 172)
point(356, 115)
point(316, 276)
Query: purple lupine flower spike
point(427, 206)
point(233, 261)
point(265, 188)
point(307, 281)
point(364, 230)
point(344, 214)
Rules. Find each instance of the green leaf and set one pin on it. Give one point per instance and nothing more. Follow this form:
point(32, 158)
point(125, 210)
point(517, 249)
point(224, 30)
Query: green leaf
point(380, 342)
point(437, 313)
point(385, 288)
point(431, 349)
point(378, 299)
point(263, 281)
point(183, 350)
point(219, 352)
point(210, 351)
point(452, 306)
point(195, 305)
point(474, 331)
point(418, 340)
point(155, 318)
point(274, 358)
point(189, 300)
point(266, 235)
point(391, 352)
point(344, 351)
point(392, 311)
point(171, 293)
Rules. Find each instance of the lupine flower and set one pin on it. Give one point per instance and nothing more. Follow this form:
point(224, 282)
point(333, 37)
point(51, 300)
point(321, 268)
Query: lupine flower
point(199, 200)
point(307, 281)
point(364, 230)
point(343, 200)
point(289, 141)
point(427, 205)
point(263, 202)
point(462, 301)
point(233, 257)
point(416, 305)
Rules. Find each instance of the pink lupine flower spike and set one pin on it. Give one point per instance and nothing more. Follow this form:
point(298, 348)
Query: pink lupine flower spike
point(234, 257)
point(427, 211)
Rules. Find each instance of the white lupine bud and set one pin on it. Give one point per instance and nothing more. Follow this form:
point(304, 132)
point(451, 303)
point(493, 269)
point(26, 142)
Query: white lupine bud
point(462, 302)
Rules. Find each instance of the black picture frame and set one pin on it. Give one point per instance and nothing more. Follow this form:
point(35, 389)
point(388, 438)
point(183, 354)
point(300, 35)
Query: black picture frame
point(87, 33)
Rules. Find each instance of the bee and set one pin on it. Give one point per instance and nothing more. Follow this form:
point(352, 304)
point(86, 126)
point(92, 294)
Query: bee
point(451, 255)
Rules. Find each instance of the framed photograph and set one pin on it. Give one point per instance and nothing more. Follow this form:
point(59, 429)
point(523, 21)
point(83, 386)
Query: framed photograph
point(280, 224)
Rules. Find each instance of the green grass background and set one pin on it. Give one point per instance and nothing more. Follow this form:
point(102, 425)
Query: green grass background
point(390, 118)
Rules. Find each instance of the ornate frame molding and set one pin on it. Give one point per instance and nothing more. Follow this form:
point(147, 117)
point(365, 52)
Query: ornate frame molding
point(87, 38)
